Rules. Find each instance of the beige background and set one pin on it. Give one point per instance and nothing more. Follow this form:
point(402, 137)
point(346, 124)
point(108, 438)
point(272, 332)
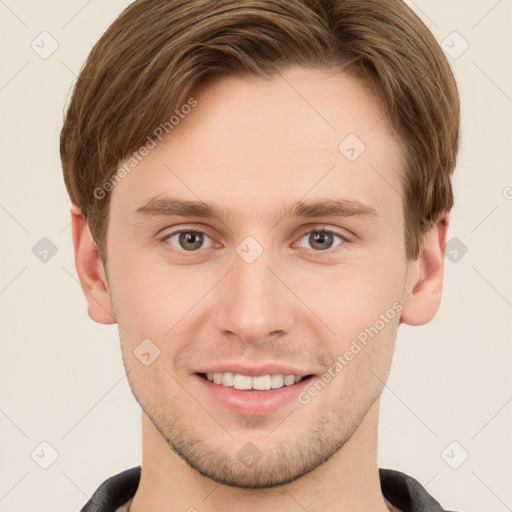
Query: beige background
point(61, 376)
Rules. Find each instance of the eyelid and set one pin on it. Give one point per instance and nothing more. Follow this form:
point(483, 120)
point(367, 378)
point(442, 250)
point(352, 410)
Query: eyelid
point(343, 233)
point(172, 230)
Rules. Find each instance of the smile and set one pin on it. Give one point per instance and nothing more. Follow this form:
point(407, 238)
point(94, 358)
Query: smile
point(248, 382)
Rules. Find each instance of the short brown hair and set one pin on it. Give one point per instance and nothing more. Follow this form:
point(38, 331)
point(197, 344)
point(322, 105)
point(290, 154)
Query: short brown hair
point(147, 62)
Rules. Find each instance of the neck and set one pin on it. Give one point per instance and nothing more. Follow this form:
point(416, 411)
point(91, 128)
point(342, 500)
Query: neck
point(348, 481)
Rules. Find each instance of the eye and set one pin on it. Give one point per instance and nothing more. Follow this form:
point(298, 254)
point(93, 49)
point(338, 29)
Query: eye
point(189, 241)
point(322, 239)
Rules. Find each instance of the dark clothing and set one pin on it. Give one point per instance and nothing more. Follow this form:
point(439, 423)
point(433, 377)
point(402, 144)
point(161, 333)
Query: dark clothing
point(403, 491)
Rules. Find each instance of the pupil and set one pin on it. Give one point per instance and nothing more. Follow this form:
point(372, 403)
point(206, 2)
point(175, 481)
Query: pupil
point(195, 239)
point(320, 238)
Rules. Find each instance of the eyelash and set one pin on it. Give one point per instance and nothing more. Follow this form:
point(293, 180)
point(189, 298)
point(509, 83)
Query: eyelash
point(345, 238)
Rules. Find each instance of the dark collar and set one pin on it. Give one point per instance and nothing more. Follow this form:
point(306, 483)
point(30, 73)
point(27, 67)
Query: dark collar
point(402, 490)
point(406, 493)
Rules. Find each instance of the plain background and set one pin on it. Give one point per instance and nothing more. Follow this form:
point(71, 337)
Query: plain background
point(61, 376)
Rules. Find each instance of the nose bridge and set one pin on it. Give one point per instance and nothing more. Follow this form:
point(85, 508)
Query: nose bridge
point(253, 304)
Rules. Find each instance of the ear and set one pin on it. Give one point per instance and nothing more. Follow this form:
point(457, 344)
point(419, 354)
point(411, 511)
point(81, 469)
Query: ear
point(425, 278)
point(90, 271)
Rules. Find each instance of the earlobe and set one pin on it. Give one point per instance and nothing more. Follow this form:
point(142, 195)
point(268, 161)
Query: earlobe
point(425, 278)
point(90, 271)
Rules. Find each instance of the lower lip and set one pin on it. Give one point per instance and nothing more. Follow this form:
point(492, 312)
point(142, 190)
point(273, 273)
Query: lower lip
point(252, 402)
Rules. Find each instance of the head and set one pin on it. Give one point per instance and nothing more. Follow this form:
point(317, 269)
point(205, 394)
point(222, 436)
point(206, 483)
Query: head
point(274, 115)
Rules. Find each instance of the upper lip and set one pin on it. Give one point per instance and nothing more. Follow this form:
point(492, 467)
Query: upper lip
point(255, 370)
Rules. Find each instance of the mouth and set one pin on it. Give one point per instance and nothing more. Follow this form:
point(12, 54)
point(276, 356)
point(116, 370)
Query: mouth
point(266, 382)
point(253, 389)
point(260, 394)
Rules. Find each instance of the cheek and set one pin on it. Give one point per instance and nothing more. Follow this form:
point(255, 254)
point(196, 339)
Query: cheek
point(365, 322)
point(369, 314)
point(351, 300)
point(151, 298)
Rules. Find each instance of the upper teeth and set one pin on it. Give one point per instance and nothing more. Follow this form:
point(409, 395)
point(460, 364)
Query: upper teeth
point(261, 382)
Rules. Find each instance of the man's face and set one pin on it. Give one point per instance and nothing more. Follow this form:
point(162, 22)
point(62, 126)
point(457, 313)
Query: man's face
point(260, 291)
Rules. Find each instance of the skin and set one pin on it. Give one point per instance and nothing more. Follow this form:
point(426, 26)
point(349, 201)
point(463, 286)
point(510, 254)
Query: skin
point(251, 146)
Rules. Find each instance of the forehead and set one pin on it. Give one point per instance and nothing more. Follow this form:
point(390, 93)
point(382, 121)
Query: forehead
point(319, 107)
point(253, 142)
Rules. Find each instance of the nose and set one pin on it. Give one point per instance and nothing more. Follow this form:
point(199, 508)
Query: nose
point(252, 303)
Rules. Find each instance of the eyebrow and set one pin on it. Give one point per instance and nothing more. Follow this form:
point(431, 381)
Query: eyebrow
point(331, 207)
